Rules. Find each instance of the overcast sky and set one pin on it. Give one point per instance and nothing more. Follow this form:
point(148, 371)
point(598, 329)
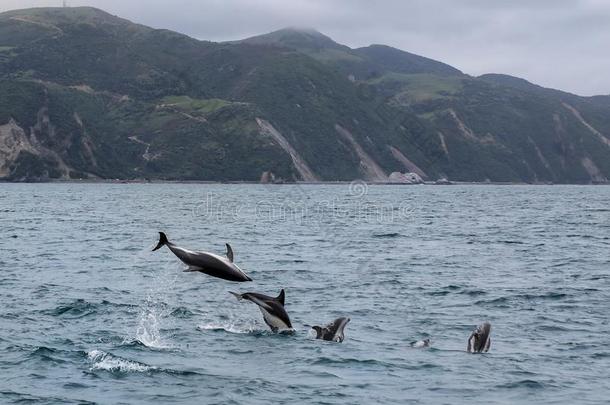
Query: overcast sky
point(563, 44)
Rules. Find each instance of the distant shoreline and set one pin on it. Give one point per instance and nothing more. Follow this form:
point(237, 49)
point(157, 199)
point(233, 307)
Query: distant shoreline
point(322, 183)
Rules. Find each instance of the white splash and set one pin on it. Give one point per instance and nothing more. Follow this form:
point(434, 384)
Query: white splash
point(101, 360)
point(148, 331)
point(232, 326)
point(421, 343)
point(155, 313)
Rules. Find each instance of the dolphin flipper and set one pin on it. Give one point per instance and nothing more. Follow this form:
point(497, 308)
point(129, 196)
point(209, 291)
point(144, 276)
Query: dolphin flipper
point(238, 296)
point(470, 339)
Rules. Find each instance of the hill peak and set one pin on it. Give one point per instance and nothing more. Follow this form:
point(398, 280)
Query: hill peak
point(301, 38)
point(65, 15)
point(66, 11)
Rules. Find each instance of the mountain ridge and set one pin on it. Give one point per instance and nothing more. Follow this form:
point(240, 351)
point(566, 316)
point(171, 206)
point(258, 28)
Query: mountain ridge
point(91, 95)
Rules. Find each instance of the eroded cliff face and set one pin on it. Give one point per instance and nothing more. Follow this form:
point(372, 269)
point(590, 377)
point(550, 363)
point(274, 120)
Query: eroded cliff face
point(24, 158)
point(299, 164)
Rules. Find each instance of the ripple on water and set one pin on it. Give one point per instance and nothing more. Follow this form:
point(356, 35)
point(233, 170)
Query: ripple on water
point(528, 384)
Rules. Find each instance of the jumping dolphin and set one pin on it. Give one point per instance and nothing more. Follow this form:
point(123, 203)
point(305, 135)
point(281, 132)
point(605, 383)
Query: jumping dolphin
point(208, 263)
point(479, 340)
point(334, 331)
point(274, 314)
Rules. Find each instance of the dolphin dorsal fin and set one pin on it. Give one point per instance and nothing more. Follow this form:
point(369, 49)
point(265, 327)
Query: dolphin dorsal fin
point(281, 297)
point(229, 253)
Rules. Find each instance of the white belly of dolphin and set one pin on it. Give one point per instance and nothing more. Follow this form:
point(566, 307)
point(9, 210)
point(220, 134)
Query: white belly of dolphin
point(273, 320)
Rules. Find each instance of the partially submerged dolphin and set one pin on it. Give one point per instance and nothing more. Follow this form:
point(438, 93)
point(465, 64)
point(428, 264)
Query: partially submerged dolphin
point(334, 331)
point(421, 343)
point(274, 314)
point(479, 340)
point(208, 263)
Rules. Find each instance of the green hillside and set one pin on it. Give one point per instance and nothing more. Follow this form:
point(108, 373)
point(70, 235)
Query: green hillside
point(89, 95)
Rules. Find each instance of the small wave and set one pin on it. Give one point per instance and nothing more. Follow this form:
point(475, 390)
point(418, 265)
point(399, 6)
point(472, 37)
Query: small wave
point(559, 328)
point(474, 292)
point(76, 309)
point(182, 312)
point(350, 361)
point(19, 397)
point(550, 296)
point(597, 210)
point(46, 354)
point(440, 293)
point(501, 301)
point(101, 360)
point(289, 261)
point(532, 384)
point(387, 235)
point(75, 386)
point(547, 296)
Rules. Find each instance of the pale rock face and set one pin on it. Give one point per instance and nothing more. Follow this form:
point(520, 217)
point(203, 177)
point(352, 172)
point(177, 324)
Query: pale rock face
point(405, 178)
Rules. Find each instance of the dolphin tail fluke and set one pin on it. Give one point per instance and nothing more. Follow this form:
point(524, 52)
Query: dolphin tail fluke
point(238, 296)
point(162, 241)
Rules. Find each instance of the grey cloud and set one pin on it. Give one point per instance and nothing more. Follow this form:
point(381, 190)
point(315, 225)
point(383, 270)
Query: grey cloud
point(555, 43)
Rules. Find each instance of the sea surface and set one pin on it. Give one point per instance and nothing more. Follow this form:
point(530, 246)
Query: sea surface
point(88, 314)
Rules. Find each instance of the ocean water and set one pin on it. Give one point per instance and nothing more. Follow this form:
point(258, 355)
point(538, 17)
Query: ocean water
point(88, 314)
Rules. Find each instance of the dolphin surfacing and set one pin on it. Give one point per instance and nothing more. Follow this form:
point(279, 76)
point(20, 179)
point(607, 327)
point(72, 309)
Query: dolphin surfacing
point(479, 340)
point(418, 344)
point(334, 331)
point(272, 308)
point(204, 262)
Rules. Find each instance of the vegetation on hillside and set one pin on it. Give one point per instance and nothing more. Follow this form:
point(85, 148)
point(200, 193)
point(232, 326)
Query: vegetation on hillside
point(89, 95)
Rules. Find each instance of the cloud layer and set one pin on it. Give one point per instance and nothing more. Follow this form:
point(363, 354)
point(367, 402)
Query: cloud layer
point(555, 43)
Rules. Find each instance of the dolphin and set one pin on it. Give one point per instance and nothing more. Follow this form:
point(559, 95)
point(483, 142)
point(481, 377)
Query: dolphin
point(334, 331)
point(208, 263)
point(421, 343)
point(479, 340)
point(274, 314)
